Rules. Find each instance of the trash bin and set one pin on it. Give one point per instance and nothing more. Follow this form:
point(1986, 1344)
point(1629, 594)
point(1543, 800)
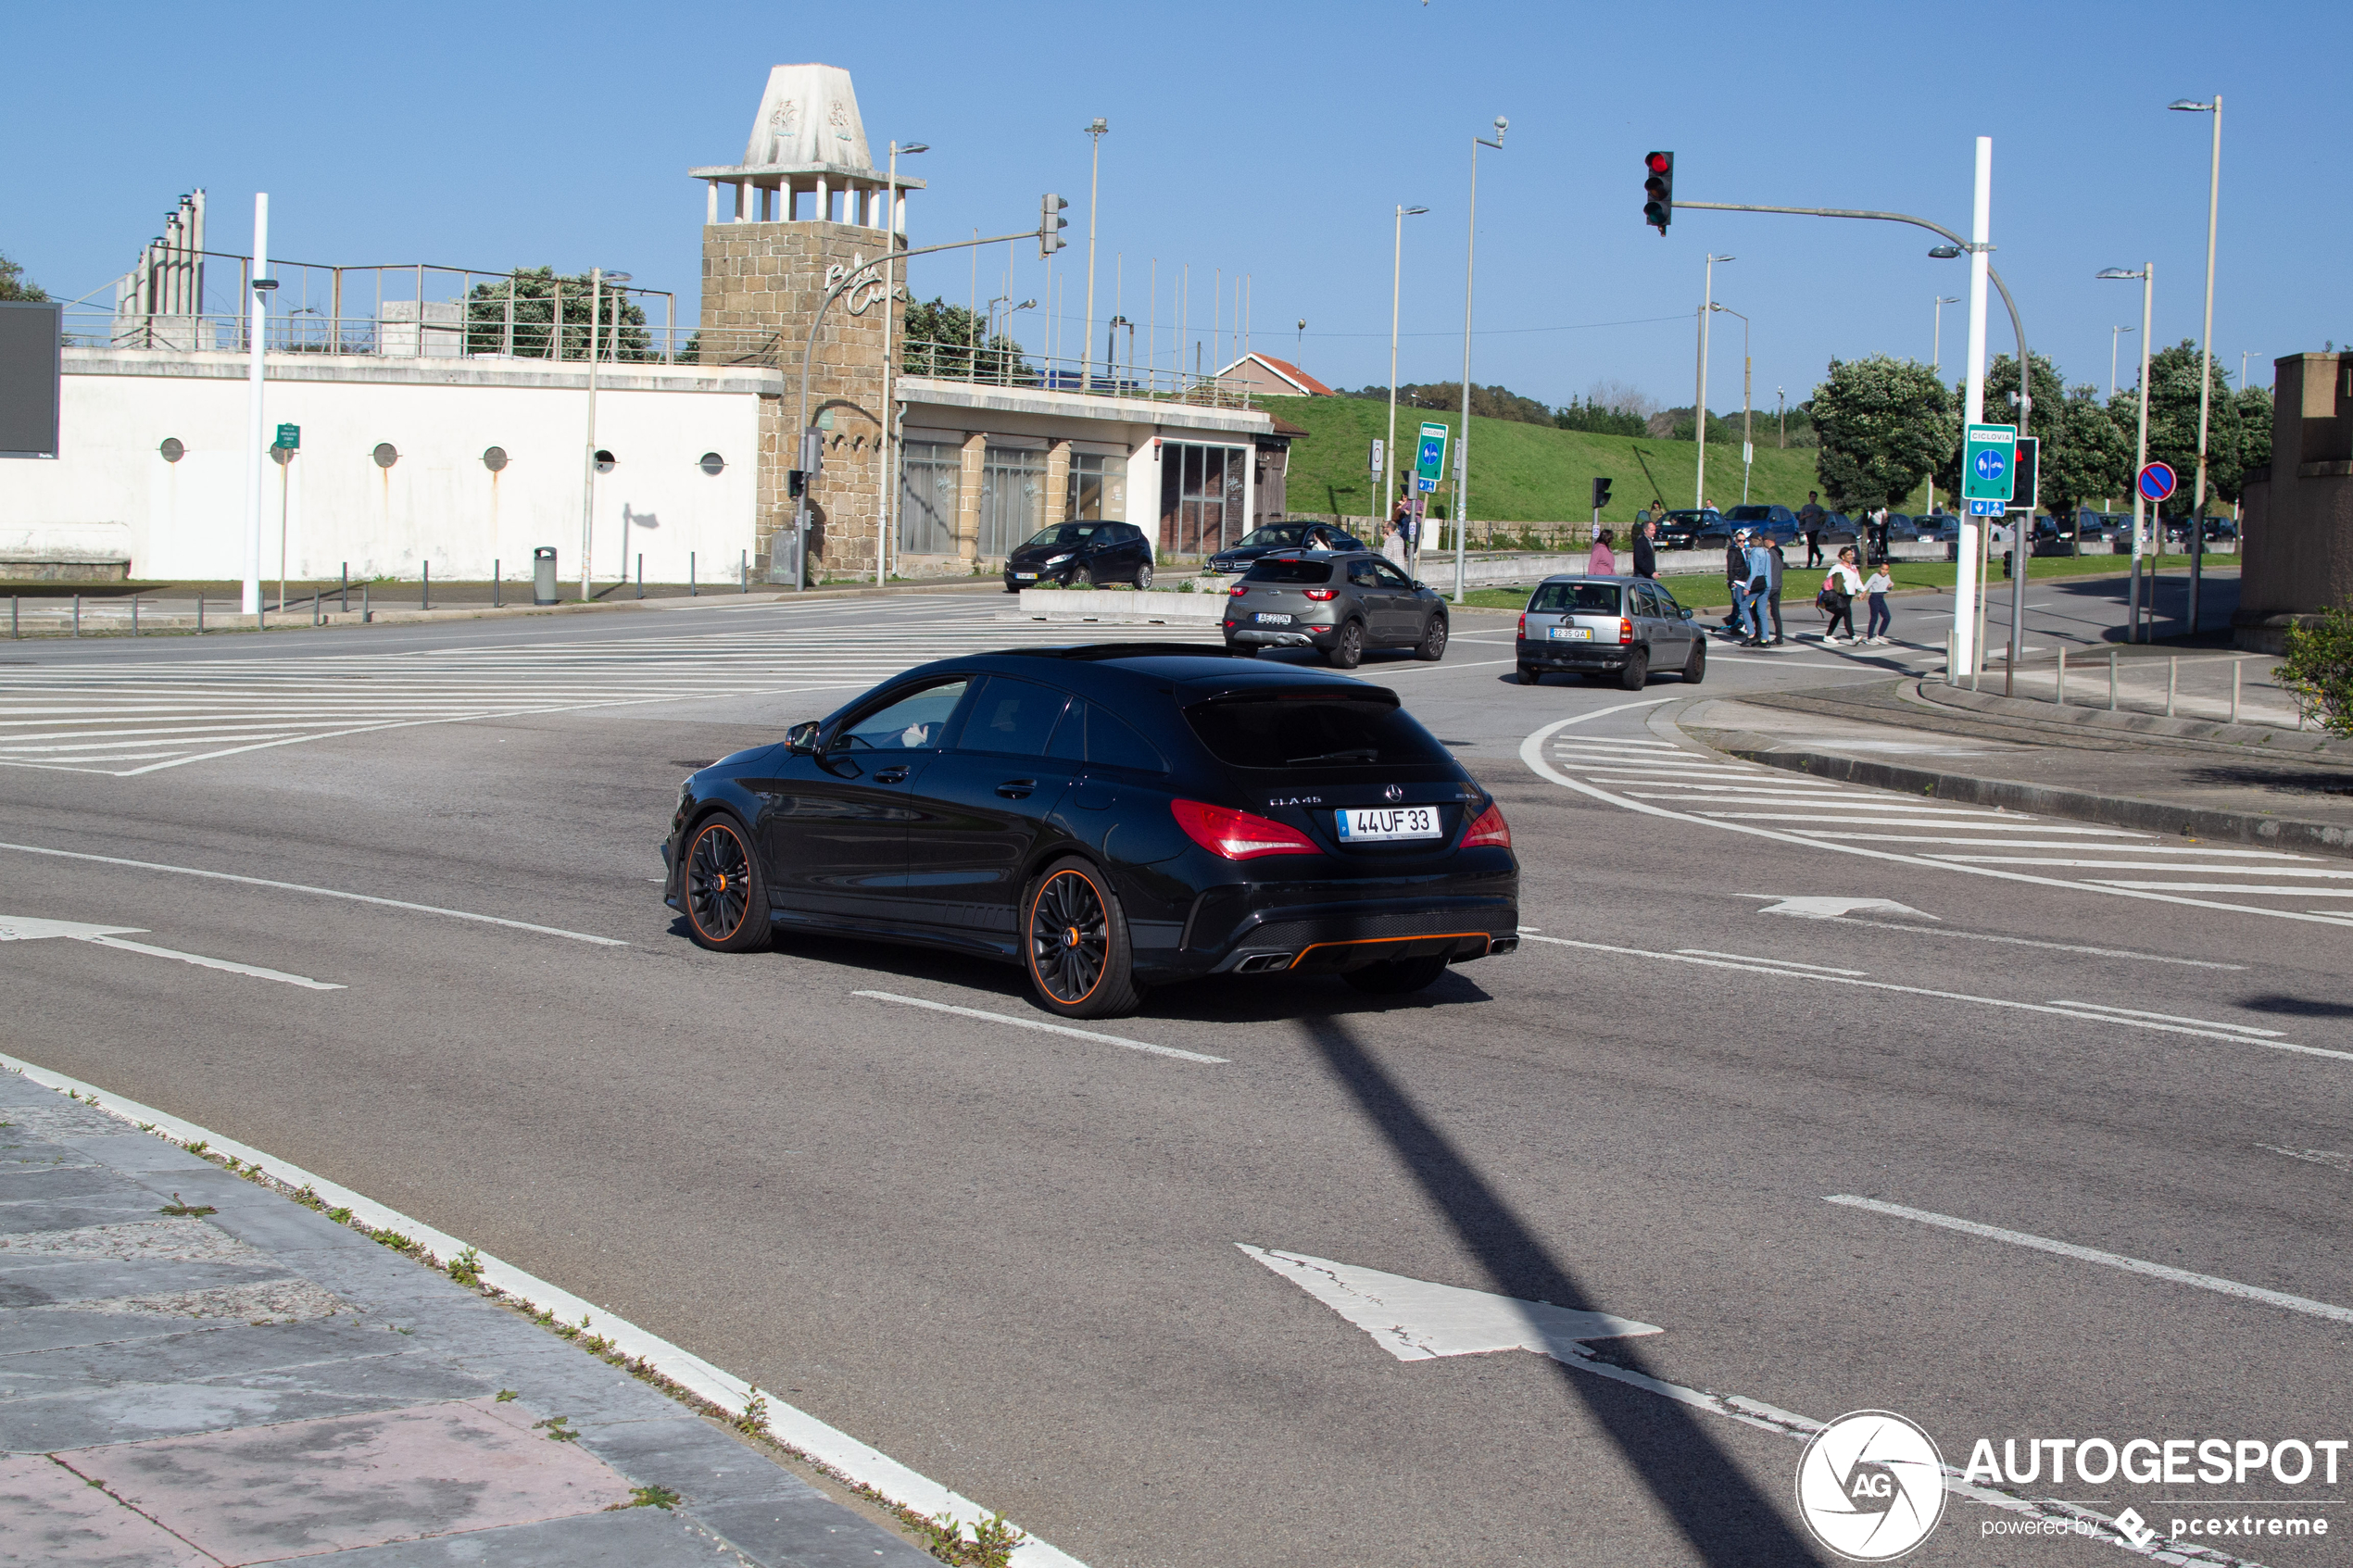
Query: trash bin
point(542, 575)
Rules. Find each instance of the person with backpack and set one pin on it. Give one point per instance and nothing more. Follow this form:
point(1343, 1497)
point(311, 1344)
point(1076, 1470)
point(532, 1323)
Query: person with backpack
point(1837, 598)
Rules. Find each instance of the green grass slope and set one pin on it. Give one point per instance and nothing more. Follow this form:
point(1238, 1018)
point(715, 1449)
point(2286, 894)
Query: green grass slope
point(1524, 472)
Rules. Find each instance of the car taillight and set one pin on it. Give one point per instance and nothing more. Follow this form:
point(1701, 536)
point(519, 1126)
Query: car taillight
point(1624, 630)
point(1320, 595)
point(1523, 626)
point(1489, 829)
point(1237, 835)
point(1236, 592)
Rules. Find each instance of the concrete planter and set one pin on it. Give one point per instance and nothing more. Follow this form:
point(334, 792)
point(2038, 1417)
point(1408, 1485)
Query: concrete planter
point(1126, 606)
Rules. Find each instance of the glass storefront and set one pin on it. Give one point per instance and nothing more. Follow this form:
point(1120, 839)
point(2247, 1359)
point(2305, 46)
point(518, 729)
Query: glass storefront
point(1201, 495)
point(1012, 498)
point(1098, 489)
point(930, 477)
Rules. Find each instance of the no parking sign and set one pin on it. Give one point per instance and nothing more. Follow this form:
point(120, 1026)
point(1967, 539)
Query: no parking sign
point(2157, 481)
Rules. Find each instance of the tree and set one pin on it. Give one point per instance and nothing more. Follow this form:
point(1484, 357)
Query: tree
point(620, 322)
point(2255, 429)
point(1599, 418)
point(2319, 669)
point(2087, 455)
point(14, 287)
point(2173, 426)
point(942, 340)
point(1884, 424)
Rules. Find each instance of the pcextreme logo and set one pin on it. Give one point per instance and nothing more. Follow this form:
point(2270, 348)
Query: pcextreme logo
point(1871, 1485)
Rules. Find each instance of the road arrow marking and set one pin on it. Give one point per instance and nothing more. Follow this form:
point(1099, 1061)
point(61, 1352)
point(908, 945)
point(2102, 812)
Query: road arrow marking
point(1416, 1321)
point(1832, 909)
point(25, 928)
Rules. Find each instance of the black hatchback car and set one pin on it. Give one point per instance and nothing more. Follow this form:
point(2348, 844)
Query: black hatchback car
point(1337, 604)
point(1297, 533)
point(1092, 553)
point(1111, 818)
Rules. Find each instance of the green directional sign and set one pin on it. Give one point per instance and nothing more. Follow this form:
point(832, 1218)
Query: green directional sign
point(289, 438)
point(1989, 463)
point(1429, 460)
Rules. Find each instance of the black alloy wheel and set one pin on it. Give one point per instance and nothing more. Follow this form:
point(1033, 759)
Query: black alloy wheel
point(1695, 667)
point(1637, 670)
point(1143, 577)
point(1397, 977)
point(726, 899)
point(1432, 647)
point(1348, 648)
point(1074, 943)
point(1530, 676)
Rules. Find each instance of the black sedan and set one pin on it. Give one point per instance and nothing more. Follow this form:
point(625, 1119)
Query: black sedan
point(1678, 530)
point(1299, 533)
point(1092, 553)
point(1338, 603)
point(1110, 818)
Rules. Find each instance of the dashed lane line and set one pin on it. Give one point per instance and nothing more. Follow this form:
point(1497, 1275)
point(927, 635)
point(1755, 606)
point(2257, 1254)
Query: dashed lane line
point(1043, 1026)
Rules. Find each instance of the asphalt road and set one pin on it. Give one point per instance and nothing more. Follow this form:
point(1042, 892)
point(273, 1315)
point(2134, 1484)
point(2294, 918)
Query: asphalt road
point(1010, 1258)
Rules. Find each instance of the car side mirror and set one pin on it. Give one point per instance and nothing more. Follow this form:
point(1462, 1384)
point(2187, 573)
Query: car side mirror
point(802, 739)
point(1685, 610)
point(1419, 584)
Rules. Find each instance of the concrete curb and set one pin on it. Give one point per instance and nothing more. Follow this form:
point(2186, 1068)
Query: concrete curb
point(2276, 739)
point(2049, 800)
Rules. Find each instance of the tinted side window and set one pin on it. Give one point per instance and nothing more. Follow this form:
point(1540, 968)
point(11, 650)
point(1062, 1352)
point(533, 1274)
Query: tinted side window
point(1360, 572)
point(1311, 731)
point(913, 722)
point(1088, 734)
point(1012, 718)
point(1389, 576)
point(1287, 571)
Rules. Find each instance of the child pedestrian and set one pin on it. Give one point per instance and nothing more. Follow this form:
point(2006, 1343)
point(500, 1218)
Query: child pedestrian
point(1839, 589)
point(1876, 586)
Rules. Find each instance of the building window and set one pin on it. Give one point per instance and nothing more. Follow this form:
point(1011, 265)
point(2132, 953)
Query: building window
point(386, 454)
point(712, 464)
point(1201, 497)
point(172, 449)
point(1098, 489)
point(930, 475)
point(494, 459)
point(1012, 498)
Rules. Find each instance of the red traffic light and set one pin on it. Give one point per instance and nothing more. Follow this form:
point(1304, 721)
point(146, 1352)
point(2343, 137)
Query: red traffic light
point(1658, 191)
point(1659, 163)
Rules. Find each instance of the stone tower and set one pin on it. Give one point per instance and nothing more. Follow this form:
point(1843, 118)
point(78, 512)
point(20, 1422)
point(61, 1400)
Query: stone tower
point(805, 210)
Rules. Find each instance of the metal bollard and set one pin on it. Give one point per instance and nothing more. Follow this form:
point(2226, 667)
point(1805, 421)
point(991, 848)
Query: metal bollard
point(2062, 699)
point(2172, 680)
point(366, 615)
point(13, 632)
point(2238, 667)
point(134, 615)
point(346, 606)
point(424, 595)
point(641, 574)
point(2111, 680)
point(744, 567)
point(318, 606)
point(199, 615)
point(77, 615)
point(497, 599)
point(690, 575)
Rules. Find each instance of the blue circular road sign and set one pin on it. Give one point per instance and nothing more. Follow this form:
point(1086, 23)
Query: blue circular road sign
point(2157, 481)
point(1992, 464)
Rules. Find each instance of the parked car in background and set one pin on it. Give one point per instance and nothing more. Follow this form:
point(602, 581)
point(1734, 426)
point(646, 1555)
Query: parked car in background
point(1622, 627)
point(1337, 604)
point(1092, 553)
point(1678, 531)
point(2053, 537)
point(1289, 534)
point(1779, 522)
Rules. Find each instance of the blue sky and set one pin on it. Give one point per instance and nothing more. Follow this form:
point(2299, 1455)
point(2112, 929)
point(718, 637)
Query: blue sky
point(1274, 141)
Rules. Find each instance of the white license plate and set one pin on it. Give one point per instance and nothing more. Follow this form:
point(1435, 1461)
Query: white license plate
point(1364, 826)
point(1024, 576)
point(1266, 620)
point(1571, 633)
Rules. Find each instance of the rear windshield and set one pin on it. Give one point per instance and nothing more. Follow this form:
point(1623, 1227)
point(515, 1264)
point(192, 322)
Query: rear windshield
point(1289, 571)
point(1748, 514)
point(1576, 598)
point(1312, 729)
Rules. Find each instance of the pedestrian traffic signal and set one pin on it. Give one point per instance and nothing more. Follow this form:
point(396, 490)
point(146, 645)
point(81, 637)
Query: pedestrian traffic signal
point(1601, 494)
point(794, 483)
point(1050, 222)
point(1658, 189)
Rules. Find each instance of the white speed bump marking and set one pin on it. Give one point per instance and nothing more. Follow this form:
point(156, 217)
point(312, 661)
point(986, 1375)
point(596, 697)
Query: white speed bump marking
point(25, 928)
point(1417, 1320)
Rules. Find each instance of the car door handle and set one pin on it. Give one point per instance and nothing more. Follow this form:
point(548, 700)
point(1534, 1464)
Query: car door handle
point(1017, 789)
point(893, 775)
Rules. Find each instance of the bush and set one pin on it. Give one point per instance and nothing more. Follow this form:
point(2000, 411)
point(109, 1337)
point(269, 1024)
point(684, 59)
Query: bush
point(2319, 672)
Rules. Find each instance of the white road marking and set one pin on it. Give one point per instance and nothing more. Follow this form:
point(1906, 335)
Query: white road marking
point(1828, 907)
point(869, 1466)
point(2172, 1018)
point(25, 928)
point(2109, 1259)
point(1041, 1025)
point(2004, 1003)
point(1416, 1321)
point(2327, 1157)
point(2149, 866)
point(2034, 942)
point(2210, 887)
point(1786, 964)
point(321, 892)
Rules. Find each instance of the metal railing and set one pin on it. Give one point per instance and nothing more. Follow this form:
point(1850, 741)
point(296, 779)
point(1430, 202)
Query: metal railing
point(1001, 364)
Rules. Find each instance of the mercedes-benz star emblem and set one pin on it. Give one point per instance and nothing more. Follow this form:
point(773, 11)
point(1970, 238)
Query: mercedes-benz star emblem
point(1394, 792)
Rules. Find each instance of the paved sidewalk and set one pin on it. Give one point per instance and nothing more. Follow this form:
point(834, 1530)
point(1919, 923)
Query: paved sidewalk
point(197, 1370)
point(2247, 784)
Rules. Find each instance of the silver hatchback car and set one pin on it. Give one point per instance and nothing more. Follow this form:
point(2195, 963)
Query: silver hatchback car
point(1625, 627)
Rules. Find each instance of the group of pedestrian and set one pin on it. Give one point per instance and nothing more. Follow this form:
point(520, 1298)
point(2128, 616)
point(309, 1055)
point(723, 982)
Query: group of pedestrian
point(1846, 583)
point(1753, 567)
point(1602, 559)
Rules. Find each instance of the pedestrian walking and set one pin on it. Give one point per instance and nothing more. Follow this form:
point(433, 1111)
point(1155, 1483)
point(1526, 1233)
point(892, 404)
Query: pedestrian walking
point(1810, 518)
point(1646, 548)
point(1735, 575)
point(1603, 562)
point(1876, 586)
point(1837, 598)
point(1394, 546)
point(1754, 588)
point(1773, 588)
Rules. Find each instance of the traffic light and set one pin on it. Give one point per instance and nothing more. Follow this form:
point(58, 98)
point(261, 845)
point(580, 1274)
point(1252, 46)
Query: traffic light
point(1658, 191)
point(794, 482)
point(1050, 222)
point(2026, 470)
point(1601, 494)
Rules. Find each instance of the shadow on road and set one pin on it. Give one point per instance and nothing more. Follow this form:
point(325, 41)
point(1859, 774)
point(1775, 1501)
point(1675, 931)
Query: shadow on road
point(1719, 1511)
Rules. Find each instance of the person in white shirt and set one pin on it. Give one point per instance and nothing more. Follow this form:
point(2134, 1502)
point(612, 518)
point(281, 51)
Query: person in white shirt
point(1876, 585)
point(1839, 589)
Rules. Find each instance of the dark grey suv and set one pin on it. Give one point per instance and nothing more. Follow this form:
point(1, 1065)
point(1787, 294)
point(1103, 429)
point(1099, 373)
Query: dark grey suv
point(1623, 627)
point(1339, 603)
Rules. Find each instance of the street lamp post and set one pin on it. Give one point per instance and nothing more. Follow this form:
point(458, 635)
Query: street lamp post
point(1396, 277)
point(597, 279)
point(892, 234)
point(1699, 427)
point(1462, 437)
point(1747, 450)
point(2204, 346)
point(1094, 185)
point(2114, 335)
point(2148, 279)
point(1936, 343)
point(256, 303)
point(1780, 412)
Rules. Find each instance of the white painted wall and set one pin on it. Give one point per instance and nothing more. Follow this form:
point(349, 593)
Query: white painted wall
point(437, 504)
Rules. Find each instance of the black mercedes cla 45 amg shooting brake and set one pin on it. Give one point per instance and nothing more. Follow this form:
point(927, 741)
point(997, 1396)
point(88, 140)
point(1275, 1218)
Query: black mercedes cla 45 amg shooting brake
point(1110, 818)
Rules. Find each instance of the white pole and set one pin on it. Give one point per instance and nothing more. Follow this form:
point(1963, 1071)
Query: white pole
point(2206, 367)
point(889, 468)
point(1699, 426)
point(1966, 649)
point(1462, 437)
point(589, 461)
point(2141, 453)
point(1094, 187)
point(258, 299)
point(1396, 275)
